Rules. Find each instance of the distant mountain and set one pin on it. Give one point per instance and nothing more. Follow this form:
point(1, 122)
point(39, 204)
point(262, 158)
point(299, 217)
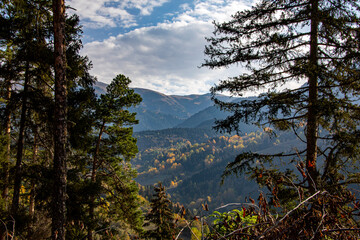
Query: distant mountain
point(100, 88)
point(149, 120)
point(179, 106)
point(159, 111)
point(161, 104)
point(205, 119)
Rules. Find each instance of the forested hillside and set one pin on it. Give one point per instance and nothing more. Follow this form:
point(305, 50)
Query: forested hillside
point(190, 163)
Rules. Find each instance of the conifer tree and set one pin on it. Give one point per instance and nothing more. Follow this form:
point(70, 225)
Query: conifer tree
point(281, 44)
point(7, 73)
point(20, 64)
point(160, 215)
point(60, 126)
point(24, 52)
point(111, 172)
point(27, 54)
point(315, 43)
point(28, 28)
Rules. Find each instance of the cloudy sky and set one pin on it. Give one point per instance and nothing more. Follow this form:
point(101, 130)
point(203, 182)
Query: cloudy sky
point(158, 44)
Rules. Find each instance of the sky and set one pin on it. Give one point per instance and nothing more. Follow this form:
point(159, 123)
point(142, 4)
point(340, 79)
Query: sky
point(158, 44)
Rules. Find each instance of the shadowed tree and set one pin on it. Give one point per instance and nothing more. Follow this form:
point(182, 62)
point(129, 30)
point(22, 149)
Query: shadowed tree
point(160, 215)
point(60, 126)
point(315, 44)
point(281, 42)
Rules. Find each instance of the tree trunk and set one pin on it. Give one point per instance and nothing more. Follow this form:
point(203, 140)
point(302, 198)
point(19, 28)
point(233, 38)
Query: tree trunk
point(5, 193)
point(93, 180)
point(312, 124)
point(20, 146)
point(32, 190)
point(6, 165)
point(60, 126)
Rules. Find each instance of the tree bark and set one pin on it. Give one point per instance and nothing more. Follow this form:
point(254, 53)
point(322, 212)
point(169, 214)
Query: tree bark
point(93, 180)
point(60, 126)
point(32, 190)
point(6, 165)
point(312, 124)
point(5, 193)
point(20, 146)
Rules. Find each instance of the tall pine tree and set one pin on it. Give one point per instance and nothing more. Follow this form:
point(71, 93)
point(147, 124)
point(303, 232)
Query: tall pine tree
point(60, 126)
point(27, 49)
point(314, 43)
point(114, 147)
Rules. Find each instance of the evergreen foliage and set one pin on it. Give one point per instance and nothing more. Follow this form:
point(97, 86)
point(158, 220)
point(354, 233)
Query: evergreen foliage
point(27, 105)
point(161, 216)
point(313, 44)
point(111, 172)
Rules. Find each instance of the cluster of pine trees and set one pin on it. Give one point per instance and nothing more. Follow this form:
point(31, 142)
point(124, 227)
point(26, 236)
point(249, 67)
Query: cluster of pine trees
point(65, 152)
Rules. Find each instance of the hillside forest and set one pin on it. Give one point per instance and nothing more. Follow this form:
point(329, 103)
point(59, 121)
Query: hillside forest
point(81, 159)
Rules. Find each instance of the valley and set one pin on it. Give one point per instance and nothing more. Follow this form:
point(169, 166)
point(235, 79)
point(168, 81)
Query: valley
point(179, 147)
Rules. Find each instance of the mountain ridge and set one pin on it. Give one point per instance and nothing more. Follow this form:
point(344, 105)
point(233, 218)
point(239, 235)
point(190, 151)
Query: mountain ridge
point(159, 111)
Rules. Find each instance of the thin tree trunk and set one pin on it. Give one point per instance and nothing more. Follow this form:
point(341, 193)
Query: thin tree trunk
point(5, 193)
point(93, 180)
point(312, 124)
point(32, 190)
point(6, 165)
point(20, 146)
point(60, 131)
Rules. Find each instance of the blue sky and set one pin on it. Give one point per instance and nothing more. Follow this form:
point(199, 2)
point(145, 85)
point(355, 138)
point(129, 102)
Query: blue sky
point(159, 44)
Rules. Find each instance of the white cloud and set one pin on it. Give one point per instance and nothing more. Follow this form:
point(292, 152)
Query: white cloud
point(145, 6)
point(210, 10)
point(165, 57)
point(112, 13)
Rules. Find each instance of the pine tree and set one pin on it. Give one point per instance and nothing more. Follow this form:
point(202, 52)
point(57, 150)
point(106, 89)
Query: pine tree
point(279, 42)
point(314, 43)
point(111, 171)
point(23, 44)
point(26, 37)
point(28, 28)
point(60, 126)
point(160, 215)
point(6, 75)
point(20, 64)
